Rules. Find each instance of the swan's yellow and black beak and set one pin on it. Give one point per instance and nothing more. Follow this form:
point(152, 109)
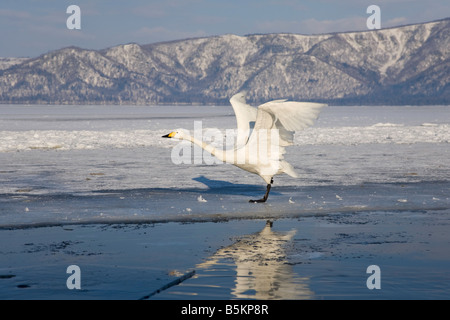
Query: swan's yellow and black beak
point(170, 135)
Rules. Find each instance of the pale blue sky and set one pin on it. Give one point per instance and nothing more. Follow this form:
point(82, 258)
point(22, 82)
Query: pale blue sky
point(29, 28)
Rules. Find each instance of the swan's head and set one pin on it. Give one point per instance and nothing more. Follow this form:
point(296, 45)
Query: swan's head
point(177, 134)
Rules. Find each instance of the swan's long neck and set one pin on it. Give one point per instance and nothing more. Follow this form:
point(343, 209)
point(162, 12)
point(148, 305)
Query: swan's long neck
point(207, 147)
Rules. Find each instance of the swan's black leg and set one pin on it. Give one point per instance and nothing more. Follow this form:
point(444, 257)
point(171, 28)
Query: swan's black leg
point(264, 199)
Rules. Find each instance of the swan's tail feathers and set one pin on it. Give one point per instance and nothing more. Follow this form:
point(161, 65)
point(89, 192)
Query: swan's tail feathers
point(288, 169)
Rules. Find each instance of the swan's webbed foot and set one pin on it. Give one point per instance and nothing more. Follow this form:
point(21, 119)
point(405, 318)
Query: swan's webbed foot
point(263, 199)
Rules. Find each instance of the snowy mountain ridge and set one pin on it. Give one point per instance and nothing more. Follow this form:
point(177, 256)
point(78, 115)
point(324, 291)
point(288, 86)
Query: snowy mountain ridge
point(402, 65)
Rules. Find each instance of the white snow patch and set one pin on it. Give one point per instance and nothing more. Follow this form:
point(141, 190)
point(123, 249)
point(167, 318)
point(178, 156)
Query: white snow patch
point(380, 124)
point(12, 141)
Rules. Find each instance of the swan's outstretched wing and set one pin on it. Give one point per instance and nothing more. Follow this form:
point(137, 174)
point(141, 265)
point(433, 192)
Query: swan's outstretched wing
point(245, 117)
point(267, 145)
point(287, 117)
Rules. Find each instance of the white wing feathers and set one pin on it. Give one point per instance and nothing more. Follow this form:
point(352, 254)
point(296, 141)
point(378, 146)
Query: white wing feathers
point(245, 117)
point(287, 117)
point(263, 149)
point(293, 115)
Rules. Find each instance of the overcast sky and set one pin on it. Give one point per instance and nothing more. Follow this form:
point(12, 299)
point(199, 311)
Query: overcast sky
point(29, 28)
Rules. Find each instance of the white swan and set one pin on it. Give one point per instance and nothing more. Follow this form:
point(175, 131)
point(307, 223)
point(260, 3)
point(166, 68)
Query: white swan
point(263, 134)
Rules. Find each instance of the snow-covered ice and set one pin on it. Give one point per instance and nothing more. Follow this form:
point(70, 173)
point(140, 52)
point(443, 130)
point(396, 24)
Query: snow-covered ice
point(88, 128)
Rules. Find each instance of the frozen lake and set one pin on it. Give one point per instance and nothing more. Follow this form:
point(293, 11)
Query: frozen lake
point(83, 164)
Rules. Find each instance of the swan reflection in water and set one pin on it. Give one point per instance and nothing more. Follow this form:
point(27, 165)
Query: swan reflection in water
point(263, 271)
